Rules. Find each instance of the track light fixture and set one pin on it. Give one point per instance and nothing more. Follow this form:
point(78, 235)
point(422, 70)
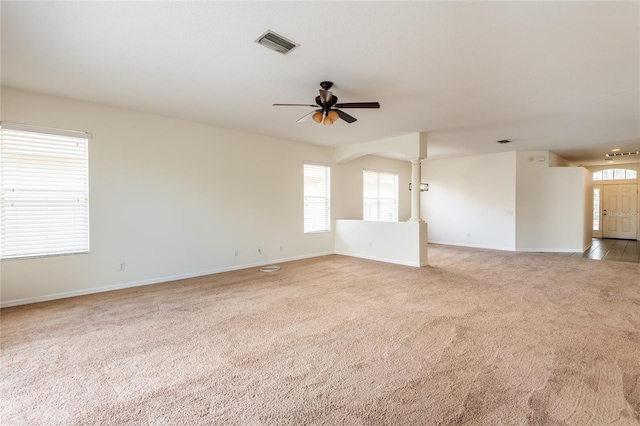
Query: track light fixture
point(611, 156)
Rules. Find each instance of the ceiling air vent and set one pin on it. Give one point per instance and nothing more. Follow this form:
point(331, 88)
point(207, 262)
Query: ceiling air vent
point(276, 42)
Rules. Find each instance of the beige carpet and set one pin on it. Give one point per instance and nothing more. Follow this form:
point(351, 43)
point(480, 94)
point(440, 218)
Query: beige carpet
point(478, 338)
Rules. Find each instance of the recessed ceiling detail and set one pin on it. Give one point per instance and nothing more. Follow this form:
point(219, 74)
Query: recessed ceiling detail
point(276, 42)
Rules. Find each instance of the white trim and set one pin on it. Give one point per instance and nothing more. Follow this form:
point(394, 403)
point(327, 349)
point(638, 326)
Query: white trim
point(159, 280)
point(366, 169)
point(317, 163)
point(447, 243)
point(519, 250)
point(382, 259)
point(46, 130)
point(549, 250)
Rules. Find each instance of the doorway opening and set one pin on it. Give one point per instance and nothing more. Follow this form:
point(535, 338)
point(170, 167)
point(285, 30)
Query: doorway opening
point(615, 204)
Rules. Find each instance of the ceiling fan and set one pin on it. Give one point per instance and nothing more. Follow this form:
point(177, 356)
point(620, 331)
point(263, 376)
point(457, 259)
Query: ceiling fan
point(328, 112)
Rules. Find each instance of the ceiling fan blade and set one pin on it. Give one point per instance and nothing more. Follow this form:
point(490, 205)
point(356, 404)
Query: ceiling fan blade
point(306, 116)
point(325, 96)
point(359, 105)
point(346, 117)
point(313, 106)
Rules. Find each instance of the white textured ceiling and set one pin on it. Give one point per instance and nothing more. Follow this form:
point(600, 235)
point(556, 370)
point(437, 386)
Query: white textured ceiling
point(562, 76)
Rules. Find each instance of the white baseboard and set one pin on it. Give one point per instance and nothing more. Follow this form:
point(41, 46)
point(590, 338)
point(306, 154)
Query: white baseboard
point(380, 259)
point(159, 280)
point(448, 243)
point(549, 250)
point(526, 250)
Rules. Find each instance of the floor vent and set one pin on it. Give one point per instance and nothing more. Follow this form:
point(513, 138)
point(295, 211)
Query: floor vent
point(276, 42)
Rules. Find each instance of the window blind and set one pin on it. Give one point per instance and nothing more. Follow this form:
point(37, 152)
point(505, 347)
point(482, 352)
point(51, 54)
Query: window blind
point(44, 192)
point(317, 198)
point(380, 196)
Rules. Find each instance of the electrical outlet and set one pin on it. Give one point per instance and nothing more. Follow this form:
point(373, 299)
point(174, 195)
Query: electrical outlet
point(122, 266)
point(237, 252)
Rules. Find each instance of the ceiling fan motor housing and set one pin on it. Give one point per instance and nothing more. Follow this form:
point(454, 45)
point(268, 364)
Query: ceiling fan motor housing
point(327, 105)
point(326, 85)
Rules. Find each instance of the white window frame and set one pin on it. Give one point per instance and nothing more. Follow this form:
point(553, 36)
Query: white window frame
point(627, 174)
point(597, 207)
point(317, 197)
point(378, 203)
point(44, 191)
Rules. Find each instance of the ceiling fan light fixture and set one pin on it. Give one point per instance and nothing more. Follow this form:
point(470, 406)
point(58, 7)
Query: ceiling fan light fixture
point(333, 116)
point(330, 110)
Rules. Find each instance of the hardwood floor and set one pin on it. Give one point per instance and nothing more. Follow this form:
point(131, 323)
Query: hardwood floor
point(609, 249)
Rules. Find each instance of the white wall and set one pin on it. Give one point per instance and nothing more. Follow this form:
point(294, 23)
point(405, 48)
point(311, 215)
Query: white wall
point(170, 198)
point(348, 177)
point(587, 225)
point(556, 161)
point(407, 147)
point(508, 201)
point(404, 243)
point(471, 200)
point(551, 205)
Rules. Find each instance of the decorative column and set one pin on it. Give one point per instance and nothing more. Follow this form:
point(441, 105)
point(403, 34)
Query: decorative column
point(416, 177)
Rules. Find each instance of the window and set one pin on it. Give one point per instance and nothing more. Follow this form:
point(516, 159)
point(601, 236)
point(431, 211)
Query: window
point(380, 196)
point(44, 191)
point(596, 209)
point(615, 174)
point(317, 198)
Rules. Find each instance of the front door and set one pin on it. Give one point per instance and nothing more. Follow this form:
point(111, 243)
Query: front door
point(620, 211)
